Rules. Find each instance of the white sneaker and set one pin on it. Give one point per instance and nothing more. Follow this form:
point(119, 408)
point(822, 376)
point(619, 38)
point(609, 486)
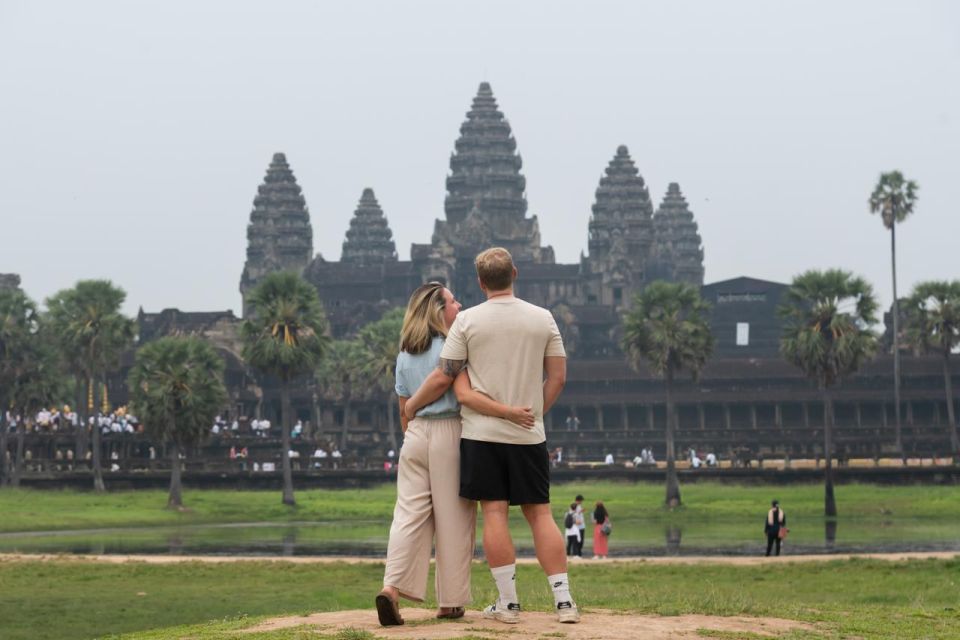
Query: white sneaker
point(510, 615)
point(568, 612)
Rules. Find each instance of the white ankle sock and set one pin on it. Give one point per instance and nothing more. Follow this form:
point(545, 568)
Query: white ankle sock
point(506, 579)
point(561, 588)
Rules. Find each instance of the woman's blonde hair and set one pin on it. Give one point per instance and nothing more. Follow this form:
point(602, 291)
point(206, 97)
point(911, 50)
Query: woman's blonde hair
point(423, 320)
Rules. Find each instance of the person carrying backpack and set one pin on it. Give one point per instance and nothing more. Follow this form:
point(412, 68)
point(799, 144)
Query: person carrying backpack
point(571, 530)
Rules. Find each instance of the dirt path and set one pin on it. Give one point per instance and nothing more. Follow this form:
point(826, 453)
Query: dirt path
point(671, 560)
point(596, 624)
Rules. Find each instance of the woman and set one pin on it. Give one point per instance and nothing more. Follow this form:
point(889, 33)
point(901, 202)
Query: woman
point(775, 521)
point(428, 476)
point(600, 539)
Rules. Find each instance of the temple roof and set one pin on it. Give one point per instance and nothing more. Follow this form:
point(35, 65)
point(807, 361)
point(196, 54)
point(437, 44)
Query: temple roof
point(622, 212)
point(279, 236)
point(369, 239)
point(486, 203)
point(678, 246)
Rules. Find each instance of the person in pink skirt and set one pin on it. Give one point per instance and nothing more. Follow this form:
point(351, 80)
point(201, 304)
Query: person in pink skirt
point(601, 530)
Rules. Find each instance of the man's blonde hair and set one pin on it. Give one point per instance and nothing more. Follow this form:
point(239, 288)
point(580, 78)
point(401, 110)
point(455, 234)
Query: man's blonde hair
point(423, 320)
point(495, 269)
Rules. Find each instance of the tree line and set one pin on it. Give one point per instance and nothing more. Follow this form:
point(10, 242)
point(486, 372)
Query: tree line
point(176, 383)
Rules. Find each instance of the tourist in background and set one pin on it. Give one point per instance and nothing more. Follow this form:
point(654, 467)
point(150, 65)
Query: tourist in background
point(601, 530)
point(775, 526)
point(581, 524)
point(572, 531)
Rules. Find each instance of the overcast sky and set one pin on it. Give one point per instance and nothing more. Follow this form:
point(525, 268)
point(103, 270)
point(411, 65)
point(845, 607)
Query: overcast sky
point(133, 135)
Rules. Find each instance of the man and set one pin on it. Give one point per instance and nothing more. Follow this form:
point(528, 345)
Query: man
point(581, 523)
point(515, 355)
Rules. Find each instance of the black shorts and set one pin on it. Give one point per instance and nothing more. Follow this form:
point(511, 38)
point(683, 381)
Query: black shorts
point(518, 473)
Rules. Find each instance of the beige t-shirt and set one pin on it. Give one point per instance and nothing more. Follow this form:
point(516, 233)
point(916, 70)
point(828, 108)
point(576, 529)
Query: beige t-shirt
point(504, 341)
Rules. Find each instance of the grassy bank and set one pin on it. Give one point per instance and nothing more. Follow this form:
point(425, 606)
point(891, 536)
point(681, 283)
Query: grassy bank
point(75, 599)
point(35, 510)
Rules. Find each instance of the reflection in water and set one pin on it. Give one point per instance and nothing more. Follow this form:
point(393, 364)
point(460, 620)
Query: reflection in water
point(289, 541)
point(634, 537)
point(175, 544)
point(830, 534)
point(674, 533)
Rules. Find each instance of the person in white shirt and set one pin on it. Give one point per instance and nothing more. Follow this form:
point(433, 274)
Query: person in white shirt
point(608, 459)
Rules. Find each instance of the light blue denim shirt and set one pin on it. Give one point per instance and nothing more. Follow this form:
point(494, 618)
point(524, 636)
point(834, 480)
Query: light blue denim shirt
point(413, 370)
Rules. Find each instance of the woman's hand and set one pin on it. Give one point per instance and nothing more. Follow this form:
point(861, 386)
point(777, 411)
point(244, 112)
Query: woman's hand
point(521, 416)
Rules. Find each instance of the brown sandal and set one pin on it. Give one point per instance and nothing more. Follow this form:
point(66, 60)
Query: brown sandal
point(453, 614)
point(388, 611)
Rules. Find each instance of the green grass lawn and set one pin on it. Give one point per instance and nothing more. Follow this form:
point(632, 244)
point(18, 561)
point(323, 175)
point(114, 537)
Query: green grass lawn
point(36, 510)
point(74, 599)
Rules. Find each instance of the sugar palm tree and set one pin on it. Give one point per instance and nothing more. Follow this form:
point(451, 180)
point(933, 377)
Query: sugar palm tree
point(668, 330)
point(933, 314)
point(39, 383)
point(176, 388)
point(894, 198)
point(827, 319)
point(92, 334)
point(341, 378)
point(284, 336)
point(19, 326)
point(381, 345)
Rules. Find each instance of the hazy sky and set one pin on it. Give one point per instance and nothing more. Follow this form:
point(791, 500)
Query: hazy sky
point(133, 135)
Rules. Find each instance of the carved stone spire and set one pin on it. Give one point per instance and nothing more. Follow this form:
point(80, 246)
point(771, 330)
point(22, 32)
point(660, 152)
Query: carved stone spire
point(485, 181)
point(621, 233)
point(279, 236)
point(369, 239)
point(9, 281)
point(622, 212)
point(678, 250)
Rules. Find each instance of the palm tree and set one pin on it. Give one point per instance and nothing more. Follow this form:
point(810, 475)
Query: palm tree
point(933, 313)
point(176, 388)
point(827, 319)
point(381, 343)
point(668, 330)
point(894, 198)
point(284, 336)
point(341, 378)
point(19, 326)
point(92, 334)
point(39, 383)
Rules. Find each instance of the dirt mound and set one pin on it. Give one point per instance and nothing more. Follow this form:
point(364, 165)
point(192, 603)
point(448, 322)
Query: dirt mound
point(596, 624)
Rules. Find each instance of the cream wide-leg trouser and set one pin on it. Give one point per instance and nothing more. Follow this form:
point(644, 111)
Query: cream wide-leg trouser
point(428, 503)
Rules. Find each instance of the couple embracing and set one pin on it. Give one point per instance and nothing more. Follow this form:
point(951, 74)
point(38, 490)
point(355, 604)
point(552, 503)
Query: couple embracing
point(474, 387)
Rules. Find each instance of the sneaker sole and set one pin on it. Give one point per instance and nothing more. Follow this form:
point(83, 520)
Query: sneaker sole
point(503, 619)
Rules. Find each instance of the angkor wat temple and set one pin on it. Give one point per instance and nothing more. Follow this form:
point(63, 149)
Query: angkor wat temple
point(629, 243)
point(747, 398)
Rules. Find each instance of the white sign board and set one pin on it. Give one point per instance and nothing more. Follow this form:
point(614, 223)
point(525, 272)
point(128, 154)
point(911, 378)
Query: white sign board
point(743, 334)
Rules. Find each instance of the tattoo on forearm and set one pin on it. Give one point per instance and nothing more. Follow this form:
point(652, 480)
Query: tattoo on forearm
point(451, 368)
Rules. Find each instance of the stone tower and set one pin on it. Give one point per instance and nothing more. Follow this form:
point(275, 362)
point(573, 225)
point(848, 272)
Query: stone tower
point(279, 236)
point(369, 239)
point(620, 233)
point(486, 203)
point(9, 281)
point(678, 251)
